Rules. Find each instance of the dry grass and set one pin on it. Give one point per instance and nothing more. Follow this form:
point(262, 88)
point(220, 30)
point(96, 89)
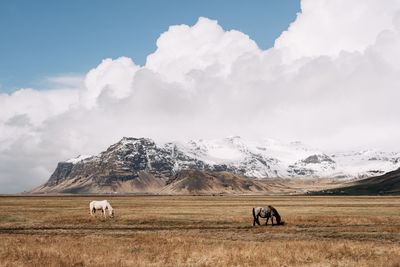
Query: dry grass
point(200, 231)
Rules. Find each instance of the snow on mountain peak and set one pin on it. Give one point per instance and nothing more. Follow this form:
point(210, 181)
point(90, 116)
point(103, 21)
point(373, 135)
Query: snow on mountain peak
point(265, 158)
point(78, 159)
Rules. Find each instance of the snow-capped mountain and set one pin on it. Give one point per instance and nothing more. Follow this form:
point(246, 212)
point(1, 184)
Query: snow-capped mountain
point(267, 158)
point(142, 165)
point(271, 158)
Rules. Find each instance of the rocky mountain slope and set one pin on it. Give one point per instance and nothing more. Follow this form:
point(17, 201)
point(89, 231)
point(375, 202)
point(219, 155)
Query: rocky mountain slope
point(141, 165)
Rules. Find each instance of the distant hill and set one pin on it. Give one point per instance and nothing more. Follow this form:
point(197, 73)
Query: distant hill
point(142, 183)
point(387, 184)
point(206, 182)
point(183, 182)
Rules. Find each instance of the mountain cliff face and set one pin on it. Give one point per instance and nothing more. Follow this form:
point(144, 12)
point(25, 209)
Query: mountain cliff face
point(141, 165)
point(61, 173)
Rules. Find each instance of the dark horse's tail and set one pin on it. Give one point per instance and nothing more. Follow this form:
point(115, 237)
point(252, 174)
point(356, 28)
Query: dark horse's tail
point(254, 214)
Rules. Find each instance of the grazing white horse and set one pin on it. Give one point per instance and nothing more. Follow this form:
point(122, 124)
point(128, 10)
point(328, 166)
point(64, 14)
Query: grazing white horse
point(101, 205)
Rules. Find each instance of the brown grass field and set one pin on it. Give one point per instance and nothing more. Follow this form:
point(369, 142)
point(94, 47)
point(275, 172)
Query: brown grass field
point(199, 231)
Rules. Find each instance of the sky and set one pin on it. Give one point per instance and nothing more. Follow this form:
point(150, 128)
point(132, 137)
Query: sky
point(52, 38)
point(78, 76)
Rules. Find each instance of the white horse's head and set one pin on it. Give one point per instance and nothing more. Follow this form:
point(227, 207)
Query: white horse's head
point(110, 210)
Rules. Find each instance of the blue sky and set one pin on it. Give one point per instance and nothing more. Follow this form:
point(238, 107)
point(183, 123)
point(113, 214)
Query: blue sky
point(49, 38)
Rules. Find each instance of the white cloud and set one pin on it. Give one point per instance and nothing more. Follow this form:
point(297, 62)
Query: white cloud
point(331, 80)
point(327, 27)
point(205, 46)
point(114, 76)
point(38, 105)
point(66, 81)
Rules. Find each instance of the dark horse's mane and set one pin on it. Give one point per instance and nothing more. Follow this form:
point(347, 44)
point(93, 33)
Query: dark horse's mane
point(275, 213)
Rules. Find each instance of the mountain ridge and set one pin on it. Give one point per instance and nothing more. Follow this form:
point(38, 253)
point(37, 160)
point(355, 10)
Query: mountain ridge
point(141, 159)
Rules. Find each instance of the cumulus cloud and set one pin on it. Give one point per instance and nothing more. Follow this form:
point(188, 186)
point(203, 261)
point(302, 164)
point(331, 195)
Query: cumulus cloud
point(115, 77)
point(331, 80)
point(183, 50)
point(328, 27)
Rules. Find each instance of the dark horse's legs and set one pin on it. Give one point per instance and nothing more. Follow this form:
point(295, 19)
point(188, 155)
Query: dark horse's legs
point(255, 218)
point(272, 219)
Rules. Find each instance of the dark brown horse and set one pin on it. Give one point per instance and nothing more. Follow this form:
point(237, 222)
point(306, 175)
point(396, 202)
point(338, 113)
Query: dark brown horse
point(267, 212)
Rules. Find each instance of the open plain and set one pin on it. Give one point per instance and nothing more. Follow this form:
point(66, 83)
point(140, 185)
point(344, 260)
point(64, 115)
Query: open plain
point(199, 231)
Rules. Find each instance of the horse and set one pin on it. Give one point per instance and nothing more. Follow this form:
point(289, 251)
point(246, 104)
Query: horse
point(267, 212)
point(101, 205)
